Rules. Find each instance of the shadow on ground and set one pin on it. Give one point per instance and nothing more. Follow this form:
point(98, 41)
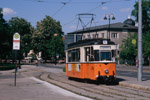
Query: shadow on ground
point(116, 82)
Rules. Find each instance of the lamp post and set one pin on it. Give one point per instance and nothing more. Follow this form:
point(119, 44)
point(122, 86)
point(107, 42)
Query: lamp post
point(55, 46)
point(109, 17)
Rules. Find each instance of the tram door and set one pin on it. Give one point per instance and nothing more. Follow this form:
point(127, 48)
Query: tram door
point(89, 56)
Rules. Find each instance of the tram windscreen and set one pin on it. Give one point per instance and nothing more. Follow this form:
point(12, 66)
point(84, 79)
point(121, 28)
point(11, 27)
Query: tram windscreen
point(105, 56)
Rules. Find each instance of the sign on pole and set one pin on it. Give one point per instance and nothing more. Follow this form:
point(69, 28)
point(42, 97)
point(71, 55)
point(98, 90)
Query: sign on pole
point(134, 41)
point(16, 41)
point(16, 46)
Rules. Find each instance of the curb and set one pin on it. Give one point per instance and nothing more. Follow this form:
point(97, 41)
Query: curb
point(134, 86)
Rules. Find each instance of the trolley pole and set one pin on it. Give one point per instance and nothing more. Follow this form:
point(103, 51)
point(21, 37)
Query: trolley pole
point(140, 66)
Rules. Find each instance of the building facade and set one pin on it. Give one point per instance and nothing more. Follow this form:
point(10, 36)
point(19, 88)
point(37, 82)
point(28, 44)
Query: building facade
point(116, 32)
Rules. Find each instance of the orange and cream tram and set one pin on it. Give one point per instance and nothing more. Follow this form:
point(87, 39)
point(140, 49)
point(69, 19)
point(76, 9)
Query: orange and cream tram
point(91, 59)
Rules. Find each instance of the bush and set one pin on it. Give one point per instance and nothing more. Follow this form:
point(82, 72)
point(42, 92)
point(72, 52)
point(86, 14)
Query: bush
point(7, 67)
point(64, 69)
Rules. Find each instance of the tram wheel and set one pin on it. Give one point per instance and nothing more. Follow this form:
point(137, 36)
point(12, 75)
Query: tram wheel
point(70, 78)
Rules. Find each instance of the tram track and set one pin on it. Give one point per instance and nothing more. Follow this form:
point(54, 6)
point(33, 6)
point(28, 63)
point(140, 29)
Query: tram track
point(122, 87)
point(98, 92)
point(101, 90)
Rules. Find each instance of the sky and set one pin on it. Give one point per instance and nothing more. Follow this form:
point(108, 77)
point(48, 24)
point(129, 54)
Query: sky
point(66, 11)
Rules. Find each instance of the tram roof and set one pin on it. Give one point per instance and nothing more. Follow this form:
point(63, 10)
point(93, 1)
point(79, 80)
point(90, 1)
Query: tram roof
point(90, 42)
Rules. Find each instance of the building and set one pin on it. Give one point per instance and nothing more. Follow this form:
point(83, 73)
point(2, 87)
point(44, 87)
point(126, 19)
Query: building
point(116, 32)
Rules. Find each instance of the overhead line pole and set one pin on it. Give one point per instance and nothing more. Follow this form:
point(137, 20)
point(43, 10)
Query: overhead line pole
point(140, 67)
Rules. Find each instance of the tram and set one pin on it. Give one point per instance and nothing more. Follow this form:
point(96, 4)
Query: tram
point(91, 59)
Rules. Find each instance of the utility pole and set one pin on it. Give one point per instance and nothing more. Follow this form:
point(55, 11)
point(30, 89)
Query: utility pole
point(140, 66)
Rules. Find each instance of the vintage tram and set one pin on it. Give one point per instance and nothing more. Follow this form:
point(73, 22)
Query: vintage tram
point(91, 59)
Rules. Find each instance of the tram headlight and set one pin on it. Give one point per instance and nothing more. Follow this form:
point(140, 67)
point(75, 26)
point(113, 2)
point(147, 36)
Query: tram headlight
point(106, 71)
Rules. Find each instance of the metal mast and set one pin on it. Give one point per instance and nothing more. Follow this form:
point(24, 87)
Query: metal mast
point(140, 41)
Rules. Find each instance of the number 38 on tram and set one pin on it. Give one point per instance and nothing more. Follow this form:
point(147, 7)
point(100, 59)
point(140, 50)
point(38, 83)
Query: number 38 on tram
point(91, 59)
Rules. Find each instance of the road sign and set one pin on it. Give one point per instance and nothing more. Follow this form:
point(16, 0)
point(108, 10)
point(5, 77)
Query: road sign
point(16, 41)
point(133, 41)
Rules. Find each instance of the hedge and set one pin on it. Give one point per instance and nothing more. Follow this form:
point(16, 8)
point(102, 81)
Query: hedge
point(7, 67)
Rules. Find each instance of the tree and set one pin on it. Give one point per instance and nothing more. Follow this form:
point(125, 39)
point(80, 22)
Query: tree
point(25, 30)
point(4, 38)
point(48, 27)
point(45, 30)
point(129, 50)
point(145, 14)
point(146, 46)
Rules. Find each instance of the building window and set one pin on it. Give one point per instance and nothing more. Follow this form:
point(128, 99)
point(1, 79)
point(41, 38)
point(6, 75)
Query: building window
point(97, 35)
point(83, 37)
point(102, 35)
point(94, 35)
point(89, 36)
point(114, 35)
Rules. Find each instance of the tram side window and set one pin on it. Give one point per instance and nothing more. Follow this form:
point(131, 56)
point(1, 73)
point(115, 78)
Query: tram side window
point(69, 56)
point(74, 55)
point(96, 55)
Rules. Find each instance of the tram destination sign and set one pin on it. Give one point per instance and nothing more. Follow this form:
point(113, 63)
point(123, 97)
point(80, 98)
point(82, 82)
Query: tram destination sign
point(16, 41)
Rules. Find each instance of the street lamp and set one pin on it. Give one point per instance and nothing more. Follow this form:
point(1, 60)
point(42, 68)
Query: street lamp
point(55, 35)
point(109, 17)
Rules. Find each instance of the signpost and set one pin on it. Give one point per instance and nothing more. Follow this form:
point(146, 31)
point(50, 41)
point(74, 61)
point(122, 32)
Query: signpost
point(16, 46)
point(134, 41)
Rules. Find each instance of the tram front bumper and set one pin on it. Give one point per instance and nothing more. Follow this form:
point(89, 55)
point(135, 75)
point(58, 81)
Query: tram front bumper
point(106, 78)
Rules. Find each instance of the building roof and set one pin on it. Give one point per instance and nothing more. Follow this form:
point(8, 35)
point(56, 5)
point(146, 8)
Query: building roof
point(129, 21)
point(115, 26)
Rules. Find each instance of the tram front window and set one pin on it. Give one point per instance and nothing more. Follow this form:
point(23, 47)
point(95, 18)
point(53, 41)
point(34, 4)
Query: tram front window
point(105, 56)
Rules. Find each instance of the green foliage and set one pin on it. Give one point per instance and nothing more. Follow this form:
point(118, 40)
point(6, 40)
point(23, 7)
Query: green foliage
point(64, 69)
point(44, 39)
point(146, 44)
point(129, 50)
point(5, 38)
point(25, 30)
point(20, 25)
point(145, 14)
point(40, 39)
point(6, 67)
point(48, 27)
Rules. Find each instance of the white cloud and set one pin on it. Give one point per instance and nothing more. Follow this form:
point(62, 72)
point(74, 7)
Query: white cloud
point(104, 8)
point(73, 27)
point(8, 11)
point(125, 10)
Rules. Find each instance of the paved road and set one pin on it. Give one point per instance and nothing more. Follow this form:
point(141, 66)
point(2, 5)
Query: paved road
point(146, 75)
point(131, 71)
point(31, 88)
point(128, 71)
point(102, 91)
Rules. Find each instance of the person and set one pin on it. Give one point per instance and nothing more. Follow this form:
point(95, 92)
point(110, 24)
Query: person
point(36, 62)
point(113, 58)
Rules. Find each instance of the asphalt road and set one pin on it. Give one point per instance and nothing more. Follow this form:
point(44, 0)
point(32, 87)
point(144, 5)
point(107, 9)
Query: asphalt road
point(146, 75)
point(128, 71)
point(131, 71)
